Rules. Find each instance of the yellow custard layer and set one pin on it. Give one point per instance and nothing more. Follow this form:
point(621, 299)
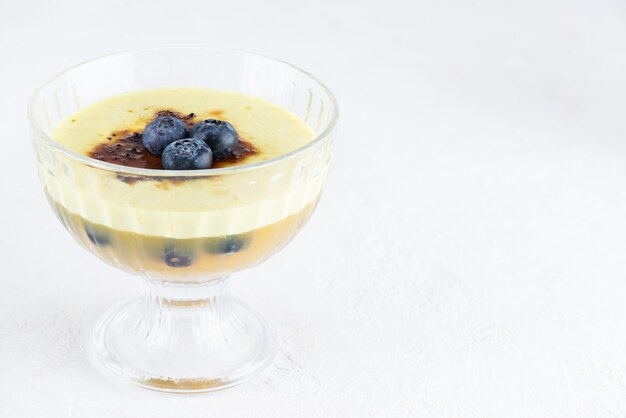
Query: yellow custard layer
point(205, 206)
point(274, 131)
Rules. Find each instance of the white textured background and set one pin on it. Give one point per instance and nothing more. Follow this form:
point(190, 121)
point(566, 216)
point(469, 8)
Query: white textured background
point(467, 259)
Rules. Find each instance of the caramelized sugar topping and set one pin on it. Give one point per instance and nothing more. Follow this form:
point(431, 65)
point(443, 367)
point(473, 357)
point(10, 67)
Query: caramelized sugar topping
point(126, 148)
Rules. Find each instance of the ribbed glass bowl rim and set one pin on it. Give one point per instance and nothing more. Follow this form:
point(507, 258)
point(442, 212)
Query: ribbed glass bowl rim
point(42, 135)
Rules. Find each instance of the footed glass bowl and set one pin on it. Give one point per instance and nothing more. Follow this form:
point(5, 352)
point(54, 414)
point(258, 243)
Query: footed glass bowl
point(185, 333)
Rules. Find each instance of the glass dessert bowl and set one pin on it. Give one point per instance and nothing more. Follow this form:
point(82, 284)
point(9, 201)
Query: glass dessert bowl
point(183, 231)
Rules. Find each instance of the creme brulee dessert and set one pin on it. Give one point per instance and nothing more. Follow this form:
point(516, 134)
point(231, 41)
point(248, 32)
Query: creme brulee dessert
point(175, 227)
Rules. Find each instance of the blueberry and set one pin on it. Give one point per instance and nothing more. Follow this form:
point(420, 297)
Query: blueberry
point(97, 236)
point(219, 135)
point(229, 244)
point(175, 257)
point(161, 132)
point(187, 154)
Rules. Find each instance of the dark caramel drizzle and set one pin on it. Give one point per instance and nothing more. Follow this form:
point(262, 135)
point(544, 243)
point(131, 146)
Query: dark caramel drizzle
point(126, 148)
point(188, 119)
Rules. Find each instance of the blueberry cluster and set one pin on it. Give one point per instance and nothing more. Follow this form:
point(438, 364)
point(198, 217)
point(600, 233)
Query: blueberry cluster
point(179, 254)
point(189, 149)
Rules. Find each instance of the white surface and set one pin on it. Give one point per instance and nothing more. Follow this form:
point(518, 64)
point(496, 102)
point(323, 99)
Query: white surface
point(467, 259)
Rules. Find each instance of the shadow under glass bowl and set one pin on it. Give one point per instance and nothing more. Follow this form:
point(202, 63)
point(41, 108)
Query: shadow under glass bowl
point(185, 333)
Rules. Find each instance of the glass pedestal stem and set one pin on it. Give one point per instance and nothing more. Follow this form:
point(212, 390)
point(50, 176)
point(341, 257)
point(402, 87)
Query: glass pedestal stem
point(180, 337)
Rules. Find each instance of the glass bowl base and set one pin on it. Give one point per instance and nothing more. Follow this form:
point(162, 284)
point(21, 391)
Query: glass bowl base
point(184, 345)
